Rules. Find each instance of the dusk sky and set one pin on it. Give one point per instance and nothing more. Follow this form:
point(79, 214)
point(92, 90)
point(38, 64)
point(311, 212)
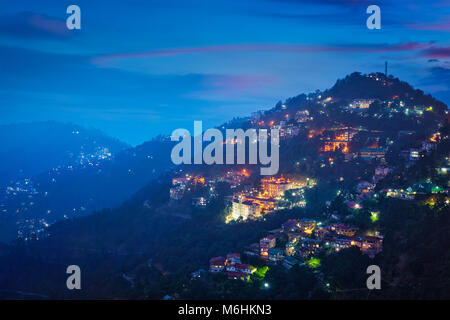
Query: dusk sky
point(138, 68)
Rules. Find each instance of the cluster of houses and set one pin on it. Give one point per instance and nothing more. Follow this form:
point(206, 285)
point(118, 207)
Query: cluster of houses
point(305, 237)
point(423, 187)
point(287, 128)
point(250, 203)
point(366, 189)
point(32, 229)
point(339, 138)
point(296, 241)
point(413, 154)
point(182, 185)
point(232, 266)
point(94, 158)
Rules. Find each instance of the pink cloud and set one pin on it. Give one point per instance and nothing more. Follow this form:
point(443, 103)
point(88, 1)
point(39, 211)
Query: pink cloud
point(444, 27)
point(104, 60)
point(33, 25)
point(437, 53)
point(48, 24)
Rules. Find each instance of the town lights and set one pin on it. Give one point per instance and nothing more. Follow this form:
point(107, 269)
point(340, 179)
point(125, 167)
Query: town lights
point(266, 285)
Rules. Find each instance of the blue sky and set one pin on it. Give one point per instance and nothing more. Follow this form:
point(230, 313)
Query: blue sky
point(138, 68)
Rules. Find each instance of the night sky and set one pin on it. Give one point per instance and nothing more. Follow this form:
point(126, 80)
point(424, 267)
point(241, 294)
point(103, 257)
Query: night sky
point(138, 68)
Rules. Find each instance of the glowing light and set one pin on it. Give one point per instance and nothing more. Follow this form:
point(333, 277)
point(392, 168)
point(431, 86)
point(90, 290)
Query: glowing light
point(314, 263)
point(374, 215)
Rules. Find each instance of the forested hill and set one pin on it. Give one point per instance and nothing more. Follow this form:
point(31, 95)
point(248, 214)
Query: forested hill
point(158, 241)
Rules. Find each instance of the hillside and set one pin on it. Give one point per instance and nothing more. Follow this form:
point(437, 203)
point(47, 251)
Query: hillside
point(158, 240)
point(59, 171)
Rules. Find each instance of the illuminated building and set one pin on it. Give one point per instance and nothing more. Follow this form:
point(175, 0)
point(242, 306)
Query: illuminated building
point(290, 248)
point(315, 132)
point(352, 205)
point(414, 154)
point(310, 246)
point(320, 232)
point(252, 250)
point(265, 244)
point(217, 264)
point(302, 116)
point(199, 202)
point(399, 194)
point(233, 258)
point(244, 268)
point(371, 245)
point(372, 153)
point(182, 180)
point(275, 255)
point(436, 137)
point(342, 136)
point(276, 187)
point(343, 229)
point(331, 146)
point(265, 204)
point(199, 180)
point(307, 225)
point(361, 103)
point(341, 243)
point(245, 209)
point(364, 187)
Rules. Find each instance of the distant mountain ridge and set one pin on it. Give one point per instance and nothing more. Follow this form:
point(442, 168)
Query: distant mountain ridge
point(56, 170)
point(28, 149)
